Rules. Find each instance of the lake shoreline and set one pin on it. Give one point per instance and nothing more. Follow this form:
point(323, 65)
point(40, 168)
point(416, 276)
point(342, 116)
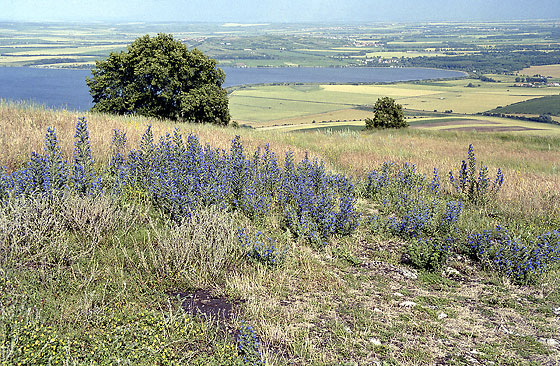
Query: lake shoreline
point(66, 88)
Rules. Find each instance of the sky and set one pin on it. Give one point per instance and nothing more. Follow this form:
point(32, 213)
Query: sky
point(255, 11)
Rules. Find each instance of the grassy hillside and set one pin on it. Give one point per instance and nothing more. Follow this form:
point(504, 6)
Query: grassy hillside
point(165, 250)
point(544, 105)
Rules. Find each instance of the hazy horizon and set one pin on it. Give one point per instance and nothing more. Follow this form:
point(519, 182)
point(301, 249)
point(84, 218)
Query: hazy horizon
point(267, 11)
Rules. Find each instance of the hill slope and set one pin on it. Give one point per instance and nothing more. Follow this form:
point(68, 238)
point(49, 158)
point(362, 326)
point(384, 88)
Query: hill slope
point(544, 105)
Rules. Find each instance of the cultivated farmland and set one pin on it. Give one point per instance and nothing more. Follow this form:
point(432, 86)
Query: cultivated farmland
point(265, 106)
point(544, 70)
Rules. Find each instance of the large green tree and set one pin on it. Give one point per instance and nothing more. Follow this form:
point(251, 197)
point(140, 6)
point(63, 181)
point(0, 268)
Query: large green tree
point(387, 114)
point(159, 77)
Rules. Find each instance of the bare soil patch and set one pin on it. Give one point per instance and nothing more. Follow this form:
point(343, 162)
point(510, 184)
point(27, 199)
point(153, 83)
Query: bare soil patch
point(203, 303)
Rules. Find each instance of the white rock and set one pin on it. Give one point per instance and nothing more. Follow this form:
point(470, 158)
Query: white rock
point(550, 342)
point(450, 271)
point(407, 304)
point(556, 311)
point(376, 310)
point(398, 294)
point(471, 360)
point(442, 316)
point(505, 330)
point(375, 341)
point(408, 274)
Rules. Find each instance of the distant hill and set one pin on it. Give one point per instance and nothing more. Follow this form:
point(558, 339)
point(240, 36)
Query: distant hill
point(543, 105)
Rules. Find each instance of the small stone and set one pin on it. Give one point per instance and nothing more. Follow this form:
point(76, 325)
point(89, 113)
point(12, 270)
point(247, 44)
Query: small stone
point(442, 316)
point(398, 294)
point(505, 330)
point(375, 341)
point(407, 304)
point(475, 352)
point(376, 310)
point(471, 360)
point(450, 271)
point(556, 311)
point(408, 274)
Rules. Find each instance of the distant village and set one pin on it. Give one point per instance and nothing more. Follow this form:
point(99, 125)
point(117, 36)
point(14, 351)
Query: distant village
point(537, 85)
point(537, 81)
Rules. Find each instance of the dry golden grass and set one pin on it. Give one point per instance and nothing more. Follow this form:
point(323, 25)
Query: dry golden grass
point(545, 70)
point(23, 129)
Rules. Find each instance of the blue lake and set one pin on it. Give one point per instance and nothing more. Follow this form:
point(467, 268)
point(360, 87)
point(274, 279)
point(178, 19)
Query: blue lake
point(61, 88)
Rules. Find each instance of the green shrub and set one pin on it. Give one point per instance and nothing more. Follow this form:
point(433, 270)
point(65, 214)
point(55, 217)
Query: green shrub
point(388, 114)
point(429, 254)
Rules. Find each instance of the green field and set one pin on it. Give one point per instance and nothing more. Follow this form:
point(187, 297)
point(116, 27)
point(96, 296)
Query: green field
point(543, 105)
point(287, 105)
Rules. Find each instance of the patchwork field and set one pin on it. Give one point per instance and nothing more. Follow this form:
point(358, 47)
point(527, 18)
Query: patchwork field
point(459, 46)
point(284, 105)
point(450, 124)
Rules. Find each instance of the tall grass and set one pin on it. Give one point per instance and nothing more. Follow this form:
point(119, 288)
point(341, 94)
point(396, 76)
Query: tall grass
point(23, 131)
point(197, 253)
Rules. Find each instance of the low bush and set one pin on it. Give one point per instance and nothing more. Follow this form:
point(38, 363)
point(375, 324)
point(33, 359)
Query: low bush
point(199, 251)
point(429, 254)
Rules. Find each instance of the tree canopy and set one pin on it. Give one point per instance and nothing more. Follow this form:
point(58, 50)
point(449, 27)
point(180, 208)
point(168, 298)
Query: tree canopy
point(388, 114)
point(159, 77)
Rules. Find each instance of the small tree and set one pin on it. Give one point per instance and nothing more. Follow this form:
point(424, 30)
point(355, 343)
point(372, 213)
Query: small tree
point(160, 77)
point(388, 114)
